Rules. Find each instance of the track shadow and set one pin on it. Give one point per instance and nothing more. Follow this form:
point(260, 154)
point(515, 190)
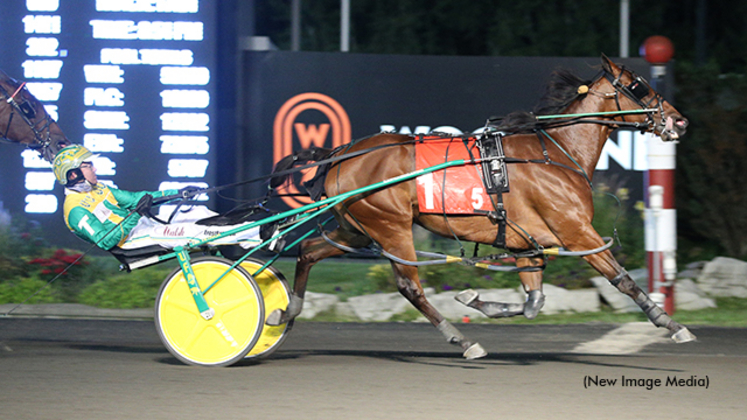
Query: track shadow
point(118, 348)
point(455, 360)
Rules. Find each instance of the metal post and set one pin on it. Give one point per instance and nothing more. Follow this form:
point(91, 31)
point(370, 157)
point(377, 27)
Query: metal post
point(624, 27)
point(344, 25)
point(296, 25)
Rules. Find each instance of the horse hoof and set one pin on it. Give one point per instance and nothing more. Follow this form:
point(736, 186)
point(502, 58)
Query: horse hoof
point(535, 302)
point(466, 297)
point(275, 318)
point(474, 351)
point(683, 335)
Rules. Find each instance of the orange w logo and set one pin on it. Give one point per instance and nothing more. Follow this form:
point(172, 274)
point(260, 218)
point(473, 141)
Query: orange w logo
point(311, 134)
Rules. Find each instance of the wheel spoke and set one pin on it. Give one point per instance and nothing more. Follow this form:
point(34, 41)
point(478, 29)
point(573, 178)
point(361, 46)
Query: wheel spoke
point(184, 306)
point(194, 335)
point(230, 305)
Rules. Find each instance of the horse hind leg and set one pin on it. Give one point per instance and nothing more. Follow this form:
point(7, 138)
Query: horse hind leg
point(409, 286)
point(310, 252)
point(471, 298)
point(532, 282)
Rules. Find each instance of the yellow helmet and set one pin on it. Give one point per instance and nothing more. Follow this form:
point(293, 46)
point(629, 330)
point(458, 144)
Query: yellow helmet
point(69, 158)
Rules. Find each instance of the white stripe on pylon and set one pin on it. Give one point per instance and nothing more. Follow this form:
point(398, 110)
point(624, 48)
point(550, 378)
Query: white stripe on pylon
point(661, 154)
point(666, 221)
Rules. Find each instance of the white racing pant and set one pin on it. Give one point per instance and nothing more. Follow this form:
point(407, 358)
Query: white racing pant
point(183, 231)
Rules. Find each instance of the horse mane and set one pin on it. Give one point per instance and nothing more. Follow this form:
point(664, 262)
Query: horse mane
point(311, 154)
point(560, 92)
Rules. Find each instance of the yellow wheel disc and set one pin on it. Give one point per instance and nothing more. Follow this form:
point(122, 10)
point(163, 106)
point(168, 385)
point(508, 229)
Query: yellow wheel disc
point(276, 295)
point(229, 334)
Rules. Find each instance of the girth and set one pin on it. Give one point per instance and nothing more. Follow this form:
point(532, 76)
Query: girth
point(495, 180)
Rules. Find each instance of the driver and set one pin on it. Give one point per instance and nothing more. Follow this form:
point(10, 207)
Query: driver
point(110, 217)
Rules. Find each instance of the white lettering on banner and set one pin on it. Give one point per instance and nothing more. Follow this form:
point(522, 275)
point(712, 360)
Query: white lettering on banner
point(146, 56)
point(146, 30)
point(104, 166)
point(187, 168)
point(109, 143)
point(185, 75)
point(32, 159)
point(40, 203)
point(184, 145)
point(108, 183)
point(629, 151)
point(172, 185)
point(624, 153)
point(39, 181)
point(52, 111)
point(42, 24)
point(620, 151)
point(178, 98)
point(42, 47)
point(103, 97)
point(117, 50)
point(447, 129)
point(45, 91)
point(42, 5)
point(96, 73)
point(112, 120)
point(148, 6)
point(175, 185)
point(421, 129)
point(185, 121)
point(41, 69)
point(640, 161)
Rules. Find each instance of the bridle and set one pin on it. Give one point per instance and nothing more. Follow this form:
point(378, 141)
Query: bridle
point(637, 91)
point(25, 109)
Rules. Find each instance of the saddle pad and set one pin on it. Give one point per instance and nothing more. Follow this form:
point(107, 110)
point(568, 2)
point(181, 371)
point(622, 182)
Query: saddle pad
point(462, 190)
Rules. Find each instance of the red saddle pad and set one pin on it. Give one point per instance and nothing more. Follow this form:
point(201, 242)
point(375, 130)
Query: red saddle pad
point(461, 191)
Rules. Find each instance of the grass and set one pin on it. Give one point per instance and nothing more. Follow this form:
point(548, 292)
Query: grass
point(731, 312)
point(347, 278)
point(344, 278)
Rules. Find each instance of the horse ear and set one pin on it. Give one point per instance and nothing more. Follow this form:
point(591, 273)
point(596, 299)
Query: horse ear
point(608, 65)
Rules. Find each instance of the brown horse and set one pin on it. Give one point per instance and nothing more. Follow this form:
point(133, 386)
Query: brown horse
point(24, 120)
point(549, 202)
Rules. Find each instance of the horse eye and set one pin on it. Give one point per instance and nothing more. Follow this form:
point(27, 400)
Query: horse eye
point(639, 89)
point(28, 110)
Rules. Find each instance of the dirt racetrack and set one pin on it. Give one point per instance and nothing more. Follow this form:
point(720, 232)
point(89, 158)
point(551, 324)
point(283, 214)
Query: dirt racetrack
point(94, 369)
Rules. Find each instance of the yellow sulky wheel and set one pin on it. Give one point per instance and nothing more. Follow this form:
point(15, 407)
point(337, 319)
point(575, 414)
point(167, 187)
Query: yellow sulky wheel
point(276, 295)
point(230, 334)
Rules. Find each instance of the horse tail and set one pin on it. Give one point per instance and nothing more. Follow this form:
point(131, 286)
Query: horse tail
point(313, 154)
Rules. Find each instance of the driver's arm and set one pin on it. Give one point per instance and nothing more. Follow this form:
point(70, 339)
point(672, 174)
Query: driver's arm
point(105, 235)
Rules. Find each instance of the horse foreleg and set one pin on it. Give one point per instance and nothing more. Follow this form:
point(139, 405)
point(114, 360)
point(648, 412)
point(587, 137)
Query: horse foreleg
point(605, 263)
point(532, 282)
point(655, 314)
point(310, 252)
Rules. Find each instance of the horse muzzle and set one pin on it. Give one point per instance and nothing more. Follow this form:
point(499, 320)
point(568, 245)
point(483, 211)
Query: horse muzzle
point(673, 128)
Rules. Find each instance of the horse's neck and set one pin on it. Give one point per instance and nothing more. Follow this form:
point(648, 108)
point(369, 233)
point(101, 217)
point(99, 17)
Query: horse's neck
point(584, 142)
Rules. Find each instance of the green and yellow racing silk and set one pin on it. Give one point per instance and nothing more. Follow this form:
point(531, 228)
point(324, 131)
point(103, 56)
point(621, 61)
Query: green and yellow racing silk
point(100, 216)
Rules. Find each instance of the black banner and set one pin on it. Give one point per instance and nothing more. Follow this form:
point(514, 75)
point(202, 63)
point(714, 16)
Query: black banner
point(292, 100)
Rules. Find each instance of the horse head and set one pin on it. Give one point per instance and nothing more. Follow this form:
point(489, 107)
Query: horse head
point(24, 120)
point(632, 92)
